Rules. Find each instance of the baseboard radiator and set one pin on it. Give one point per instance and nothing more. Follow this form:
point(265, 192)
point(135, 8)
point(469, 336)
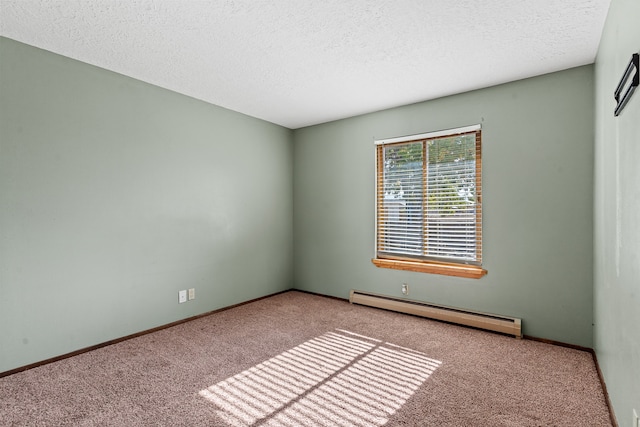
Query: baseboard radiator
point(490, 322)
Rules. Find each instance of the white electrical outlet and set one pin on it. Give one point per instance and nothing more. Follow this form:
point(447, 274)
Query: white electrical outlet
point(182, 296)
point(405, 289)
point(192, 294)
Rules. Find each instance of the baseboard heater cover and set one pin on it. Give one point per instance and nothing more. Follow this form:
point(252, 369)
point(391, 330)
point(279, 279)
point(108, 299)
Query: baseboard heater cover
point(490, 322)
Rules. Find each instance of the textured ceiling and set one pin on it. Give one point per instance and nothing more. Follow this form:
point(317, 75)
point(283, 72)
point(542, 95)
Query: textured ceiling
point(298, 63)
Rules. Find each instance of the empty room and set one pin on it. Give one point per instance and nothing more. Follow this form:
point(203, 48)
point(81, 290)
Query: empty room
point(319, 213)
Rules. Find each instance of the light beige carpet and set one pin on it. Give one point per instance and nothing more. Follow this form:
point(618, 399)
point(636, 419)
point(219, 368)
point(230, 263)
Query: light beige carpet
point(296, 359)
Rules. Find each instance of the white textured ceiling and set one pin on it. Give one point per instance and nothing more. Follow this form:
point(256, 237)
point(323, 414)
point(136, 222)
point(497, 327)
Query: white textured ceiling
point(298, 63)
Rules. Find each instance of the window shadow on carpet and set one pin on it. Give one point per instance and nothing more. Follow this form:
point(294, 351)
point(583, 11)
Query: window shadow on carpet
point(339, 378)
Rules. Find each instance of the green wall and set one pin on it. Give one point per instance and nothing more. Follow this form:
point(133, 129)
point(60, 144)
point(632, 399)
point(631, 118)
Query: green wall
point(115, 194)
point(537, 203)
point(617, 215)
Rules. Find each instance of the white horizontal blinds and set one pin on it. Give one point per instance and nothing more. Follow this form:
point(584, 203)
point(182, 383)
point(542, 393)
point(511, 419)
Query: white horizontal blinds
point(451, 220)
point(428, 198)
point(400, 221)
point(429, 135)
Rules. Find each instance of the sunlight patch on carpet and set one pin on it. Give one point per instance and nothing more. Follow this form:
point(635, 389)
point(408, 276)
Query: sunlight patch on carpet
point(339, 378)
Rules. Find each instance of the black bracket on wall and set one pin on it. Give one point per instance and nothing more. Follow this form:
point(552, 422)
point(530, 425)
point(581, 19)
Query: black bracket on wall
point(623, 82)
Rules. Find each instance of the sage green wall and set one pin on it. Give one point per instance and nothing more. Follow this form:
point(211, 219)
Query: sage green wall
point(617, 215)
point(537, 205)
point(115, 194)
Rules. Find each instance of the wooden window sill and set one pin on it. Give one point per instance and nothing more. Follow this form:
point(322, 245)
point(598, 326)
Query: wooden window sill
point(459, 270)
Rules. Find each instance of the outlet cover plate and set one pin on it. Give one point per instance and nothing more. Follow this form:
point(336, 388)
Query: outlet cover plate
point(192, 294)
point(182, 296)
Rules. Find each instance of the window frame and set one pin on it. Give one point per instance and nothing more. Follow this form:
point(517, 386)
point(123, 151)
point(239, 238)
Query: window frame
point(408, 263)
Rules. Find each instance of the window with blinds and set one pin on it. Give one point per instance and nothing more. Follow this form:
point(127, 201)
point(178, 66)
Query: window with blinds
point(428, 197)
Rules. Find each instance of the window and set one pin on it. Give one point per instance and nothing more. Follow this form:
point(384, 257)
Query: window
point(429, 203)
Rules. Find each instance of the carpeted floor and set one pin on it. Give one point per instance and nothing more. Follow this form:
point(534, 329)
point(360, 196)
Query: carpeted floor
point(296, 359)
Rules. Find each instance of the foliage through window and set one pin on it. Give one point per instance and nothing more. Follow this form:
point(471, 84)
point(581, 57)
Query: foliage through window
point(429, 197)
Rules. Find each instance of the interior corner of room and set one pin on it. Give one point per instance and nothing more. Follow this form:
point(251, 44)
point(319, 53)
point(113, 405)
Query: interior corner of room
point(116, 194)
